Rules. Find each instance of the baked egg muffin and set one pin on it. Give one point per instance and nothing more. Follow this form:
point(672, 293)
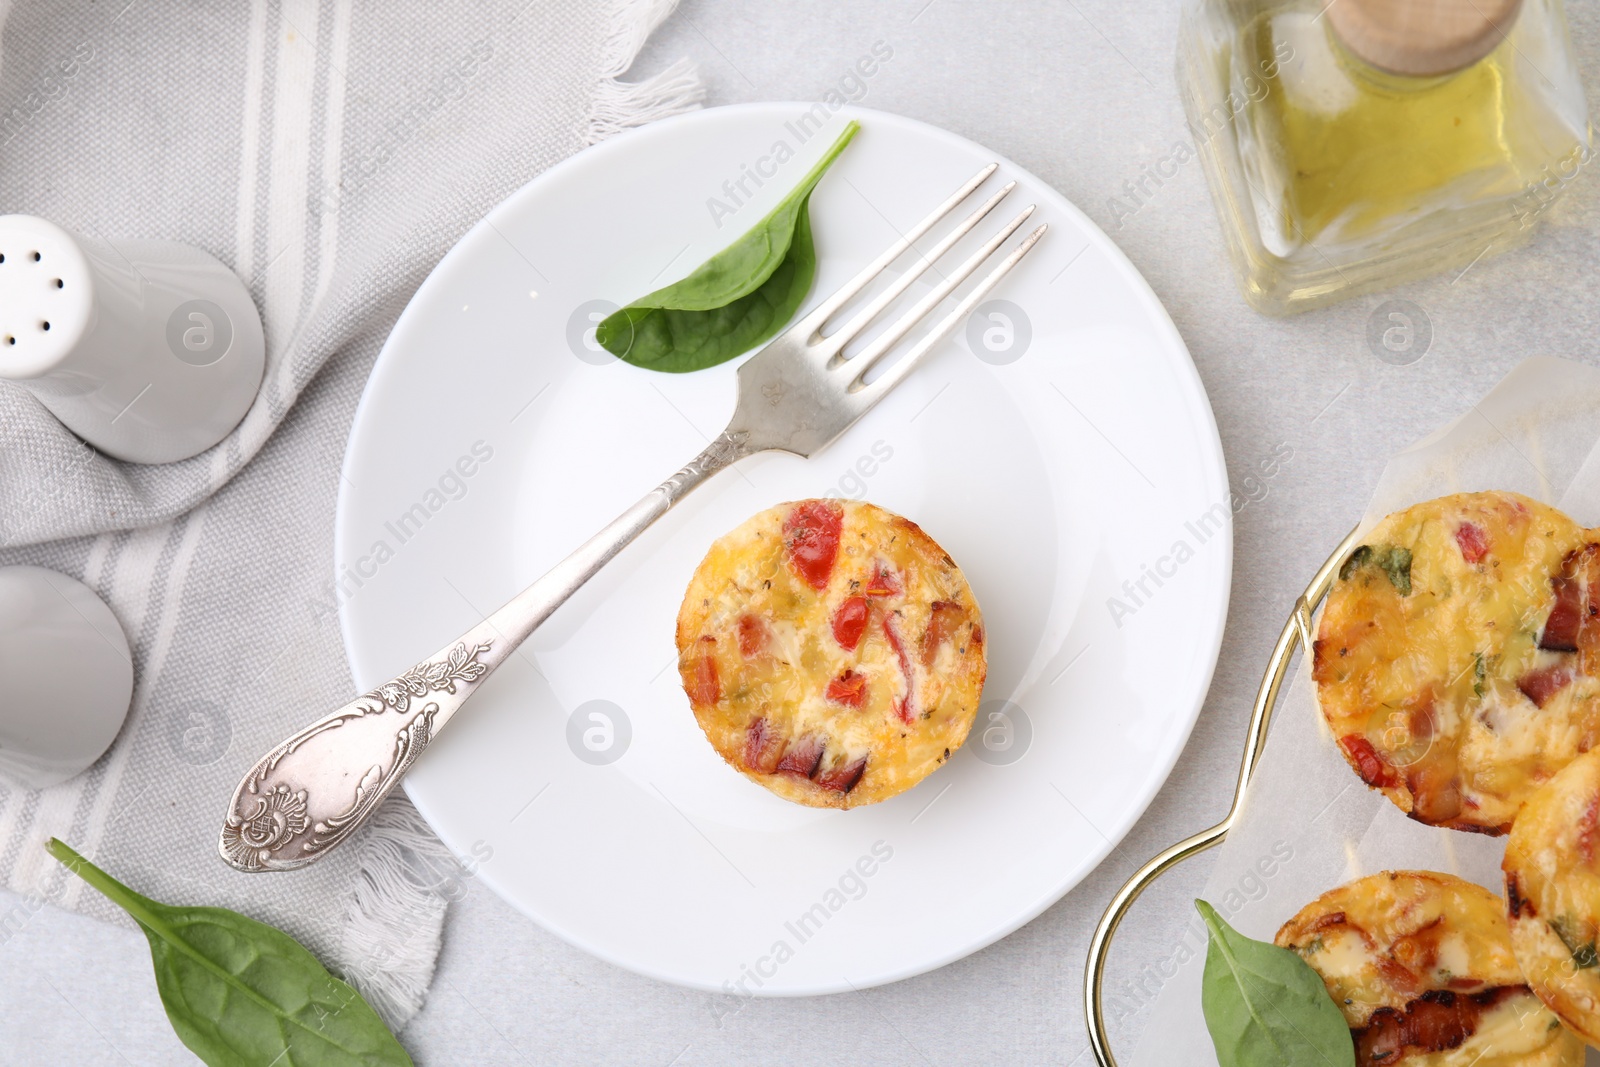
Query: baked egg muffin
point(832, 652)
point(1421, 966)
point(1553, 893)
point(1458, 657)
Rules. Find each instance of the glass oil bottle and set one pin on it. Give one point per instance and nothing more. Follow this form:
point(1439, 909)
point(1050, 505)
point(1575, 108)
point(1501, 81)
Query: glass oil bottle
point(1353, 145)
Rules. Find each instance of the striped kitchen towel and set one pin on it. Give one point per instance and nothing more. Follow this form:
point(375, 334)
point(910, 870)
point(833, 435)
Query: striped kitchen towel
point(330, 152)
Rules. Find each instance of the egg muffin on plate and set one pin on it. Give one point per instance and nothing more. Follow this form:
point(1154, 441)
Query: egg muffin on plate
point(1421, 966)
point(1457, 661)
point(832, 652)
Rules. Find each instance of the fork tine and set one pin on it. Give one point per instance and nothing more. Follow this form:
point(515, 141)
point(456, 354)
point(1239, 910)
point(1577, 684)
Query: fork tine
point(844, 334)
point(885, 342)
point(895, 374)
point(809, 325)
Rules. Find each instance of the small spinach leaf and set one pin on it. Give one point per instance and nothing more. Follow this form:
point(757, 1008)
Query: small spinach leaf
point(1572, 935)
point(240, 993)
point(1396, 563)
point(1391, 559)
point(1265, 1006)
point(1358, 558)
point(734, 301)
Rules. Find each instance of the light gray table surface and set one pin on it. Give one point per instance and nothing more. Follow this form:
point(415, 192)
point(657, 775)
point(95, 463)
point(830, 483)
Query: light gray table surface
point(1080, 92)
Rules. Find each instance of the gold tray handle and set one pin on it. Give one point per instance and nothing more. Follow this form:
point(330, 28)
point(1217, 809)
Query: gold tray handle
point(1296, 634)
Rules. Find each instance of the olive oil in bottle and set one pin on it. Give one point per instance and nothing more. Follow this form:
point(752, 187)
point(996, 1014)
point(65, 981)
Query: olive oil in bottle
point(1355, 145)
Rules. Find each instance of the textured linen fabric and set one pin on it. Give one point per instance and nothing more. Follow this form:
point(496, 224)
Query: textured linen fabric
point(330, 153)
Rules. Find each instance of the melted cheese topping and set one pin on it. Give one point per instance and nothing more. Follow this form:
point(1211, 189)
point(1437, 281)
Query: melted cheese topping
point(763, 662)
point(1517, 1032)
point(1427, 688)
point(1552, 867)
point(1383, 941)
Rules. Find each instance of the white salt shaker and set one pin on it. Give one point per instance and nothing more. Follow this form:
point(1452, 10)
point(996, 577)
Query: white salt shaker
point(68, 672)
point(151, 351)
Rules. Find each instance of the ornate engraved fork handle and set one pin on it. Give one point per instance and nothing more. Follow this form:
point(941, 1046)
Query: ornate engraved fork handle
point(315, 788)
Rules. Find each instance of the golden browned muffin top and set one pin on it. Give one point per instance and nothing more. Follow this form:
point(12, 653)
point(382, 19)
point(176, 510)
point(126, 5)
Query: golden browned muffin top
point(831, 651)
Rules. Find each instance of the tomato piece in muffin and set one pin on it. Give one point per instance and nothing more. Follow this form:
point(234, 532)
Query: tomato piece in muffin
point(1421, 966)
point(1552, 867)
point(1458, 658)
point(832, 652)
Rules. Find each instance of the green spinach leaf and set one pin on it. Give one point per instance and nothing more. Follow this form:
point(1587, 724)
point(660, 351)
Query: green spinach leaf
point(1393, 561)
point(1581, 946)
point(1396, 563)
point(734, 301)
point(1359, 558)
point(240, 993)
point(1265, 1006)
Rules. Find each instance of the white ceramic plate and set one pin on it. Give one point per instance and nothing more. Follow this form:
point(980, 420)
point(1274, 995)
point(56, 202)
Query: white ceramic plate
point(1078, 455)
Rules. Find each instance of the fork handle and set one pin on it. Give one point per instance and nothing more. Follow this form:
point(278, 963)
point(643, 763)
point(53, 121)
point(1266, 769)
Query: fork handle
point(315, 788)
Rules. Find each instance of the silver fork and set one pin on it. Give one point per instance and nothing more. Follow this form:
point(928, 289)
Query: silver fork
point(796, 395)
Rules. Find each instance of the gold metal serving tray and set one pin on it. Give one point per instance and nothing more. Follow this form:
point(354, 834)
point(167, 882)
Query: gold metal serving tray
point(1296, 634)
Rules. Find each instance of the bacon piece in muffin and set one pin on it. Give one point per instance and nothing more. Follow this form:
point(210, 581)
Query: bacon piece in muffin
point(1421, 966)
point(832, 652)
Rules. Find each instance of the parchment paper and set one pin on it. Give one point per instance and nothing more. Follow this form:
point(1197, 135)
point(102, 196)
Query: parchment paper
point(1309, 822)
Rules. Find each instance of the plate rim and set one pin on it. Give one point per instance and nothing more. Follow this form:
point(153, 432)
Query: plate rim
point(1213, 460)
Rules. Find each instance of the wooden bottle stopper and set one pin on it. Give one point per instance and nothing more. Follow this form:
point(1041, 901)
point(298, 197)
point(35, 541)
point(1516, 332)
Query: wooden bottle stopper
point(1422, 37)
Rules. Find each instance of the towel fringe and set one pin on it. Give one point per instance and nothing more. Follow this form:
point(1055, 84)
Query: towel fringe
point(620, 105)
point(393, 916)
